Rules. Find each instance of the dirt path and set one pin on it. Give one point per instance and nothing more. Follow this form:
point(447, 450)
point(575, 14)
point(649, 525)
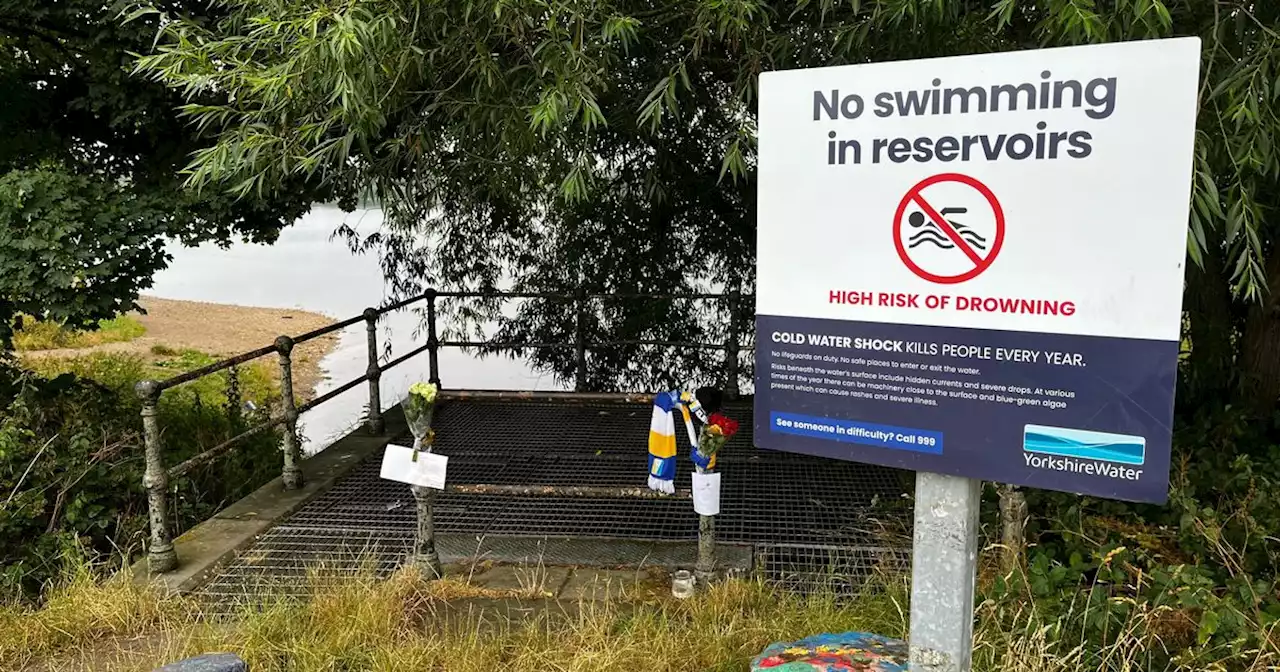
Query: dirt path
point(221, 330)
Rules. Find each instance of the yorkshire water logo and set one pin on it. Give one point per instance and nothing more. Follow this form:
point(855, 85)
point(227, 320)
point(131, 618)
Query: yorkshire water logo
point(1082, 451)
point(1084, 445)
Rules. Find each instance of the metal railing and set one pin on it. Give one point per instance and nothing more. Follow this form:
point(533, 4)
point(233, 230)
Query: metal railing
point(161, 556)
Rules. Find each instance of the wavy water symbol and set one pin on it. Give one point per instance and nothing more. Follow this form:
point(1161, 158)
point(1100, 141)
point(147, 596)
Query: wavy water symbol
point(930, 232)
point(1086, 445)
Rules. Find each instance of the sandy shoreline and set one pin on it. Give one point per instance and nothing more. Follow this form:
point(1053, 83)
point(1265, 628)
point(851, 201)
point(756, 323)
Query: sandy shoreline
point(222, 330)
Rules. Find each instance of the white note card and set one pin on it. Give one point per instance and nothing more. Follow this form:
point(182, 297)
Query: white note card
point(706, 494)
point(428, 471)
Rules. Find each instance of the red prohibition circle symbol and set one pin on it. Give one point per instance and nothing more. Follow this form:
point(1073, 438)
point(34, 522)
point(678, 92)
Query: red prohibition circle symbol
point(980, 262)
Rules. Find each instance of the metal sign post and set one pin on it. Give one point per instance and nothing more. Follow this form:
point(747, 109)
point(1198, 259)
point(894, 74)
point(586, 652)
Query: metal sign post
point(944, 569)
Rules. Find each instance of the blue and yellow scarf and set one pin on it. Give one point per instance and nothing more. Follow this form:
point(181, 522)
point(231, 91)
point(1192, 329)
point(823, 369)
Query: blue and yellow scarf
point(662, 437)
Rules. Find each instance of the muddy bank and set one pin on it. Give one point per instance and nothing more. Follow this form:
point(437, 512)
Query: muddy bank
point(221, 330)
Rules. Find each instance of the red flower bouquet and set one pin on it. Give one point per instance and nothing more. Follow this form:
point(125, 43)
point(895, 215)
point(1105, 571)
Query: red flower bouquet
point(717, 432)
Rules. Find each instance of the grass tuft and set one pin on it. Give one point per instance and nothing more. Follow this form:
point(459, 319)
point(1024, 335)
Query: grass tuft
point(360, 622)
point(81, 612)
point(42, 335)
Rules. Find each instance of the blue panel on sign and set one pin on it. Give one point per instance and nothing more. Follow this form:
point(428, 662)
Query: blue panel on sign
point(849, 431)
point(1081, 414)
point(1083, 444)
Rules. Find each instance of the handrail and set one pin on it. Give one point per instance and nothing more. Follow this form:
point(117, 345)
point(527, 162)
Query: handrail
point(160, 554)
point(215, 367)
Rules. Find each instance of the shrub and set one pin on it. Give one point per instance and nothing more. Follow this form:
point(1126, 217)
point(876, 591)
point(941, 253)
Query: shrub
point(44, 335)
point(71, 456)
point(1201, 571)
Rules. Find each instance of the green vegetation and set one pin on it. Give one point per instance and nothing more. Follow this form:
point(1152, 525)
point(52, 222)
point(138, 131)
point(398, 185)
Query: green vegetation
point(1211, 550)
point(71, 459)
point(33, 334)
point(405, 623)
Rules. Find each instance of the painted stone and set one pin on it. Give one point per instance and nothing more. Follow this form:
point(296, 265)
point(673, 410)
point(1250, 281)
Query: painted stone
point(213, 662)
point(845, 652)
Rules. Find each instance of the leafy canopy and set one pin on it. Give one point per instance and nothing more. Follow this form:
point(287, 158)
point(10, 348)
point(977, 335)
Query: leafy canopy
point(548, 144)
point(90, 183)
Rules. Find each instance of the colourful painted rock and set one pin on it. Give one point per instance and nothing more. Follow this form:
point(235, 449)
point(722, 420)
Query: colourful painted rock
point(847, 652)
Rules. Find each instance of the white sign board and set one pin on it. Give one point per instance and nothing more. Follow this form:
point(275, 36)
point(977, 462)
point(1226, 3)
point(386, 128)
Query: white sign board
point(974, 265)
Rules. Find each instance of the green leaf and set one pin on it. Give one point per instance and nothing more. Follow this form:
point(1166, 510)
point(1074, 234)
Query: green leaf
point(1208, 626)
point(1002, 12)
point(651, 108)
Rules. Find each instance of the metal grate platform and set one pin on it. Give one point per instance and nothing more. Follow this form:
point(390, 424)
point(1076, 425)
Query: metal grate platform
point(799, 516)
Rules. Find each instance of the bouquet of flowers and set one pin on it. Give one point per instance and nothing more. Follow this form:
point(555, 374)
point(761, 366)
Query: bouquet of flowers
point(714, 434)
point(419, 407)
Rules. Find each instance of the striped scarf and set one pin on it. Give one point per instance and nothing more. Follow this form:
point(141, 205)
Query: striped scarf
point(662, 437)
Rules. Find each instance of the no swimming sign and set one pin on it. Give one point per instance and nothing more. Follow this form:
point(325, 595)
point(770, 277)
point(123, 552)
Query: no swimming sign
point(974, 265)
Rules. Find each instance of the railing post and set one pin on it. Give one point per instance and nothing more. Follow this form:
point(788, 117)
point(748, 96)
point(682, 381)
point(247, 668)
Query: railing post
point(374, 372)
point(731, 389)
point(580, 336)
point(433, 339)
point(424, 544)
point(291, 474)
point(161, 557)
point(705, 570)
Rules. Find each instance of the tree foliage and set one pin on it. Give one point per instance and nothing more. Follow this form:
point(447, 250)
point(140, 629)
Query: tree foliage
point(90, 183)
point(551, 144)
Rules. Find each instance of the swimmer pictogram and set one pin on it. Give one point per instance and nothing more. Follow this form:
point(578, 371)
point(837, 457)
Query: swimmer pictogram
point(948, 228)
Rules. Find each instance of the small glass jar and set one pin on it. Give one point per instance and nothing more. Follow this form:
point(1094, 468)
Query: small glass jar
point(682, 584)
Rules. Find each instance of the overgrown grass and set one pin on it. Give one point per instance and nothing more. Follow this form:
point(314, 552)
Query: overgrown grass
point(83, 610)
point(406, 623)
point(41, 335)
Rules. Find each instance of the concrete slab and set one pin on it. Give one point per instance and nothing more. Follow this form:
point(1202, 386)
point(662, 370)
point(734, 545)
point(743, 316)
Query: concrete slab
point(593, 552)
point(522, 578)
point(600, 584)
point(201, 549)
point(494, 617)
point(274, 502)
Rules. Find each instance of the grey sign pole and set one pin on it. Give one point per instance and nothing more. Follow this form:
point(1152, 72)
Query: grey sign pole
point(944, 569)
